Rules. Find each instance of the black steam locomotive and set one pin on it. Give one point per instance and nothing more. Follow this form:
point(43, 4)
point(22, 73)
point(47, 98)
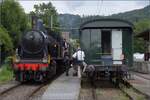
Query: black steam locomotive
point(39, 55)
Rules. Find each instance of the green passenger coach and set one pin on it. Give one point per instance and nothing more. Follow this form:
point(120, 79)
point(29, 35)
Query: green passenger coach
point(105, 41)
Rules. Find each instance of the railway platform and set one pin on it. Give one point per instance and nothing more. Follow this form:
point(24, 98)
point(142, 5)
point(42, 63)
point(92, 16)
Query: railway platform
point(141, 82)
point(63, 88)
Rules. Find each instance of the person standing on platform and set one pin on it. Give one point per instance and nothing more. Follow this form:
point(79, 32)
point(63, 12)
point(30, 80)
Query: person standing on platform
point(65, 47)
point(79, 63)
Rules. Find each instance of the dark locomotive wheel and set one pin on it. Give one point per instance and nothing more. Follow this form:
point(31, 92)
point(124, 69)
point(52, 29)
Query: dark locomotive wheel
point(53, 66)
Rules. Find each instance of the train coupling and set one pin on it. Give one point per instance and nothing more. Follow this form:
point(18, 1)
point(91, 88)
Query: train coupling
point(107, 73)
point(90, 69)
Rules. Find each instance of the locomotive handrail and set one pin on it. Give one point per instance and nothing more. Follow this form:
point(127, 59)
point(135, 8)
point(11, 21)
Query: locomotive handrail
point(31, 61)
point(103, 63)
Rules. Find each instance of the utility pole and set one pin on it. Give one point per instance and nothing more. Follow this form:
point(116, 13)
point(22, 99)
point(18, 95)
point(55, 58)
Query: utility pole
point(1, 2)
point(0, 12)
point(51, 22)
point(0, 53)
point(149, 36)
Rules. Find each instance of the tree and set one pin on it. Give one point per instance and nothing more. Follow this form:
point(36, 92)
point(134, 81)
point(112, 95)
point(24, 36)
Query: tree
point(13, 19)
point(47, 12)
point(139, 43)
point(5, 40)
point(142, 25)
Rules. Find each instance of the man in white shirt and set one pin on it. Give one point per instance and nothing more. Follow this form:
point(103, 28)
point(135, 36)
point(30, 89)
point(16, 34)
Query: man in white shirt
point(79, 56)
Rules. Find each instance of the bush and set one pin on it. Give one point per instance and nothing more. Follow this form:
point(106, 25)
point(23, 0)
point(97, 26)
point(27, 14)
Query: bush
point(8, 60)
point(5, 40)
point(6, 73)
point(13, 18)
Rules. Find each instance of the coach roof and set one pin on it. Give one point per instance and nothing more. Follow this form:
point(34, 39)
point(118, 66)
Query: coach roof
point(106, 23)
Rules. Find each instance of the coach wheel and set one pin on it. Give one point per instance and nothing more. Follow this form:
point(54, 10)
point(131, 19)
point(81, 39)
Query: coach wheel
point(39, 78)
point(116, 82)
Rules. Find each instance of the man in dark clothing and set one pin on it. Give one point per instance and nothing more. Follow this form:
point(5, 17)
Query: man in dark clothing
point(65, 47)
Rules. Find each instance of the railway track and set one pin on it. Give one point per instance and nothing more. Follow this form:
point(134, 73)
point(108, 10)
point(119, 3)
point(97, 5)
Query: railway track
point(120, 86)
point(127, 95)
point(26, 91)
point(37, 93)
point(9, 89)
point(88, 91)
point(22, 91)
point(19, 92)
point(142, 76)
point(36, 90)
point(131, 92)
point(94, 93)
point(106, 90)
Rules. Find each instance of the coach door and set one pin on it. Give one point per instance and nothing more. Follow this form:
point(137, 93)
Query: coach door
point(116, 46)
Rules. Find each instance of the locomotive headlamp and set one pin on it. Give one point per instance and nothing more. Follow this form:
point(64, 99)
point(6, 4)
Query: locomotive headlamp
point(16, 57)
point(17, 60)
point(44, 60)
point(55, 45)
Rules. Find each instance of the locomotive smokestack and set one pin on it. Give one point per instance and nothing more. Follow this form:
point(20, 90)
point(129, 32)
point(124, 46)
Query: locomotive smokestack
point(37, 24)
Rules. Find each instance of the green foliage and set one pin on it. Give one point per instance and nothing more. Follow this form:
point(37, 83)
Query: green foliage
point(8, 60)
point(142, 25)
point(5, 40)
point(135, 15)
point(47, 12)
point(6, 73)
point(139, 43)
point(75, 43)
point(14, 19)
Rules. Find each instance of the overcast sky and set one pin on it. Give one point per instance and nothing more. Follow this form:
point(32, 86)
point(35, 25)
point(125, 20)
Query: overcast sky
point(88, 7)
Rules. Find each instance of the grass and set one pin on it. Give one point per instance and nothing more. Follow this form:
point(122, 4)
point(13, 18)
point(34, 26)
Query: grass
point(6, 73)
point(134, 94)
point(116, 94)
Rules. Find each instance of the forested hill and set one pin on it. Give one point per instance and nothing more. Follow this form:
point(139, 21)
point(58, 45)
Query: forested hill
point(69, 20)
point(73, 21)
point(135, 15)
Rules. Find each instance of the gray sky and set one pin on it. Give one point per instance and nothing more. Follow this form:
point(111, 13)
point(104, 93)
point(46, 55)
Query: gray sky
point(88, 7)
